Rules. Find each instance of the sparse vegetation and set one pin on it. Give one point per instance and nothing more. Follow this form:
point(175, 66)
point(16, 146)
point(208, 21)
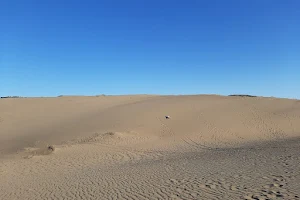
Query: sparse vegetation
point(100, 95)
point(11, 97)
point(241, 95)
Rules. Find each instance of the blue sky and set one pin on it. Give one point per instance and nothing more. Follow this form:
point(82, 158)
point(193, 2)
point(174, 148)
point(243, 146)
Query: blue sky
point(54, 47)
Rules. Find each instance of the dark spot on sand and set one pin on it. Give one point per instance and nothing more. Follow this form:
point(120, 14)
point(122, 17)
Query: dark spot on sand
point(50, 148)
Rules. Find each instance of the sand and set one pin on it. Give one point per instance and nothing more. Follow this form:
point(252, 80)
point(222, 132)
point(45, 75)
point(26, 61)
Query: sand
point(123, 147)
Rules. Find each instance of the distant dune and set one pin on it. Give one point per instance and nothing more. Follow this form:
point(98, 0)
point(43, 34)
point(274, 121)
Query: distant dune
point(124, 147)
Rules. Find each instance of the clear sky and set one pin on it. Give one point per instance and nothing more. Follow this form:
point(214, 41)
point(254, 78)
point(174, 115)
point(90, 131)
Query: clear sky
point(64, 47)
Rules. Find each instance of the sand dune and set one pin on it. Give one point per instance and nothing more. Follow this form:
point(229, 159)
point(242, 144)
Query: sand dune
point(123, 147)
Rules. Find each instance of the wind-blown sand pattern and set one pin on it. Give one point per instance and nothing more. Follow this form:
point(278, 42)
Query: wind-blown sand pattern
point(123, 147)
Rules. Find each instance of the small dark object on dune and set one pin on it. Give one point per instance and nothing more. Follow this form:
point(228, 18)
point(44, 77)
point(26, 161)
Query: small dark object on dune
point(110, 133)
point(50, 148)
point(167, 117)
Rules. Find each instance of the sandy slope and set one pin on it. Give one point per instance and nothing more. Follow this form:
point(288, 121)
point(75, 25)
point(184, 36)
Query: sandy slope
point(122, 147)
